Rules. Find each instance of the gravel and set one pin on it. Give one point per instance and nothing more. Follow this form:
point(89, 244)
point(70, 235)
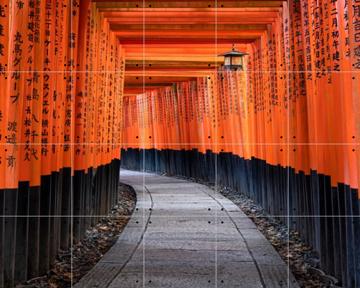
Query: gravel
point(302, 259)
point(74, 263)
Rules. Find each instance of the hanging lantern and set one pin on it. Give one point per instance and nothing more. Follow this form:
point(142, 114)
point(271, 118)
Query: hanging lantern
point(234, 60)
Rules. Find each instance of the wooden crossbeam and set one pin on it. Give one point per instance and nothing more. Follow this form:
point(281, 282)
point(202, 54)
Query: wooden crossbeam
point(186, 27)
point(107, 5)
point(169, 41)
point(180, 41)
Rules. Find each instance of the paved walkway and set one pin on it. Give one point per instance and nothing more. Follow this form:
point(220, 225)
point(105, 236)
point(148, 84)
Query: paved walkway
point(185, 235)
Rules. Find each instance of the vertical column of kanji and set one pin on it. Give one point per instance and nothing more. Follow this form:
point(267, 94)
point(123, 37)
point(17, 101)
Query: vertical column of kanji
point(262, 94)
point(159, 128)
point(197, 119)
point(165, 123)
point(115, 124)
point(203, 114)
point(100, 93)
point(345, 131)
point(59, 91)
point(194, 137)
point(156, 124)
point(222, 100)
point(295, 40)
point(110, 94)
point(180, 99)
point(176, 105)
point(254, 106)
point(300, 123)
point(287, 75)
point(47, 193)
point(56, 75)
point(213, 125)
point(350, 81)
point(118, 101)
point(95, 74)
point(322, 11)
point(134, 125)
point(262, 116)
point(115, 106)
point(80, 97)
point(92, 87)
point(4, 75)
point(85, 135)
point(237, 111)
point(257, 69)
point(245, 133)
point(74, 47)
point(223, 132)
point(271, 111)
point(228, 137)
point(32, 133)
point(68, 46)
point(155, 133)
point(36, 45)
point(281, 95)
point(190, 126)
point(354, 35)
point(226, 87)
point(4, 59)
point(69, 100)
point(128, 120)
point(307, 100)
point(139, 122)
point(184, 128)
point(239, 91)
point(109, 99)
point(57, 115)
point(16, 83)
point(339, 123)
point(17, 68)
point(119, 96)
point(149, 125)
point(149, 121)
point(146, 121)
point(78, 33)
point(201, 128)
point(105, 120)
point(80, 74)
point(213, 109)
point(50, 72)
point(172, 106)
point(320, 114)
point(125, 120)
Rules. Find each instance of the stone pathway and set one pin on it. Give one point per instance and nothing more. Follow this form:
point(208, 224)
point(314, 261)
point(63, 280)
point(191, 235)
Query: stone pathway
point(184, 235)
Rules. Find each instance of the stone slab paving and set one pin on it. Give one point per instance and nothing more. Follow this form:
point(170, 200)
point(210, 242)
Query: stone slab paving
point(185, 235)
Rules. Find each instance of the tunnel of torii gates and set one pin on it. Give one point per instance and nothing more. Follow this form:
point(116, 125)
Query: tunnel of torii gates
point(82, 82)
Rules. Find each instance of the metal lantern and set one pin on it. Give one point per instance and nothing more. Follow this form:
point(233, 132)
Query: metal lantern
point(234, 60)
